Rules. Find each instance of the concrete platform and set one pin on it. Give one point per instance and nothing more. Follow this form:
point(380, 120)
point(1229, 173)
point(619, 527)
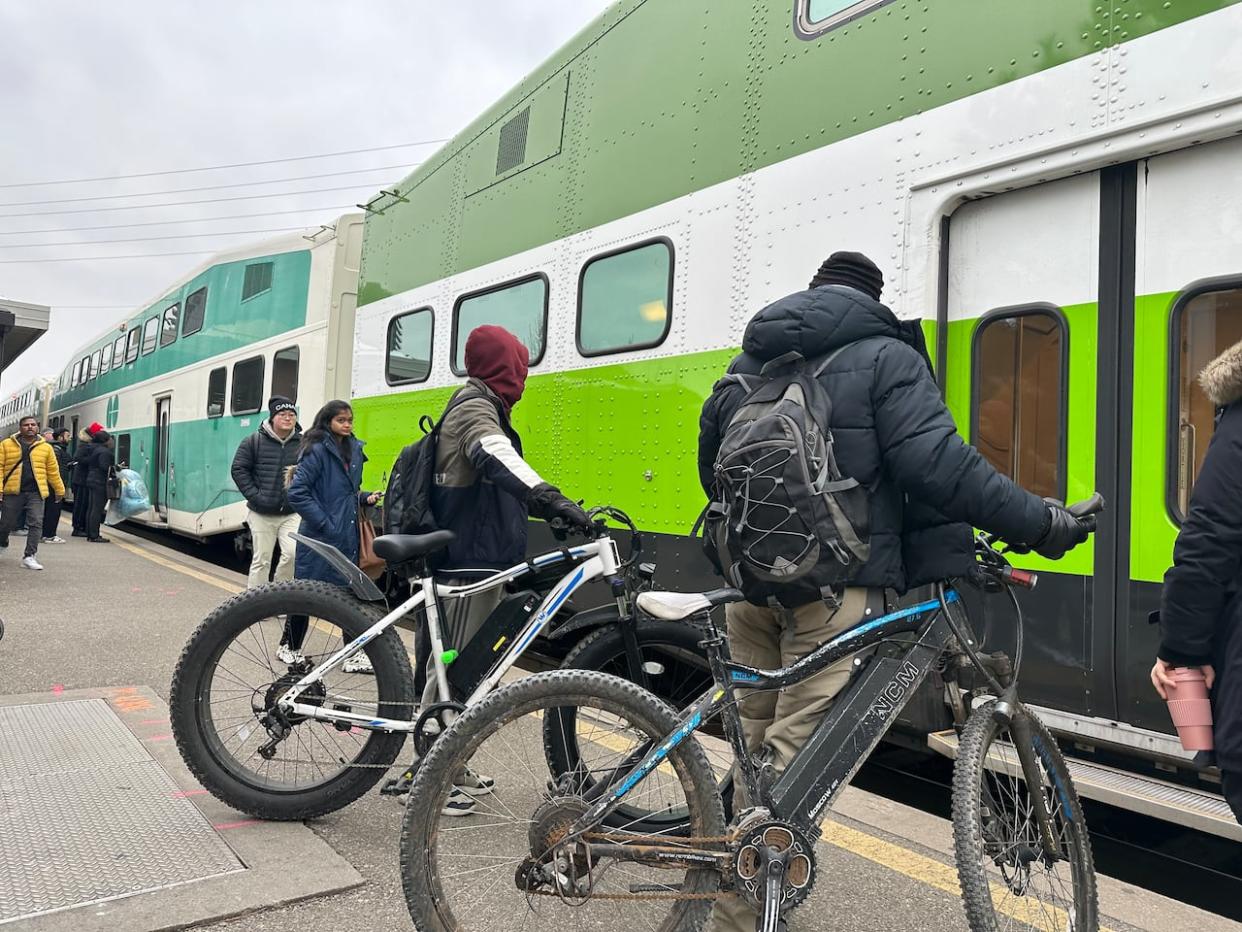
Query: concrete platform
point(104, 624)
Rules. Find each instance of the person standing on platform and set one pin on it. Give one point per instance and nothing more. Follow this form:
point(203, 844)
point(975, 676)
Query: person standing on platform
point(259, 468)
point(326, 492)
point(53, 506)
point(79, 465)
point(1201, 605)
point(99, 462)
point(30, 475)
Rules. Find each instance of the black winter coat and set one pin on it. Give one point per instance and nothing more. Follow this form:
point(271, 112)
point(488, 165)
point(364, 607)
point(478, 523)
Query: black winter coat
point(326, 493)
point(98, 459)
point(62, 462)
point(1201, 606)
point(259, 470)
point(892, 432)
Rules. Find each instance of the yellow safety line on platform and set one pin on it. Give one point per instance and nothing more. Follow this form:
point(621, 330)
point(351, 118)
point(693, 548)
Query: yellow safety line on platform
point(942, 876)
point(177, 567)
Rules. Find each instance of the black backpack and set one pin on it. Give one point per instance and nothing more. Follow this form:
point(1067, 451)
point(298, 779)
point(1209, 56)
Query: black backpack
point(407, 500)
point(783, 524)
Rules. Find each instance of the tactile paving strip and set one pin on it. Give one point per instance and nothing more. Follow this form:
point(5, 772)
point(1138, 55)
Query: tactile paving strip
point(86, 815)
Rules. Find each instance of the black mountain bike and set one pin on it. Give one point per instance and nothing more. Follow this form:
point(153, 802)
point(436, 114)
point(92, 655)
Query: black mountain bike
point(548, 852)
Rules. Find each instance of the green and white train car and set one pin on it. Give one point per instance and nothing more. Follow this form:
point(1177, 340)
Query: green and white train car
point(31, 400)
point(1053, 187)
point(181, 381)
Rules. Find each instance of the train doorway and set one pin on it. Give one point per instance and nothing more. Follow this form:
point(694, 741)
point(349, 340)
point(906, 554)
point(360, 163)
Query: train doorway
point(162, 474)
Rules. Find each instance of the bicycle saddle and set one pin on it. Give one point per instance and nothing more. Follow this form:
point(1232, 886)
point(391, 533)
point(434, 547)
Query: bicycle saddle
point(398, 548)
point(676, 606)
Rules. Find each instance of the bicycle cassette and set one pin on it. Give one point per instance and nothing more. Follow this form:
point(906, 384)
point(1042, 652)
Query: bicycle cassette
point(774, 858)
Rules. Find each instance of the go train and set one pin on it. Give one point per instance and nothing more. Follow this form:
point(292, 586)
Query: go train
point(1054, 189)
point(181, 381)
point(31, 400)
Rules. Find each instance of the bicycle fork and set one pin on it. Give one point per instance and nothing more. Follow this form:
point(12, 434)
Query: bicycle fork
point(1010, 713)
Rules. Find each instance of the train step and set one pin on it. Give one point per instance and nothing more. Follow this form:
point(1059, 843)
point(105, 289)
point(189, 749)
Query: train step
point(1193, 808)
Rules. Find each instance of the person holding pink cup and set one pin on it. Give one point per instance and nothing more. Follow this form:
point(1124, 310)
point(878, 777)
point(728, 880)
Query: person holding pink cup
point(1198, 669)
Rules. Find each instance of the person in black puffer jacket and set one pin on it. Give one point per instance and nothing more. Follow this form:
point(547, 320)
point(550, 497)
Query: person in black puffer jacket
point(893, 433)
point(1201, 606)
point(259, 468)
point(99, 461)
point(78, 468)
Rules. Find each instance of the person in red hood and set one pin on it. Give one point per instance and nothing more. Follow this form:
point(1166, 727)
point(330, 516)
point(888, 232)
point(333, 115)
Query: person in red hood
point(485, 492)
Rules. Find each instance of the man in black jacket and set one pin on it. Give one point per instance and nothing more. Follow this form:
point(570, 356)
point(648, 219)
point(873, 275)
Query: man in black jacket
point(52, 508)
point(1201, 606)
point(893, 433)
point(259, 472)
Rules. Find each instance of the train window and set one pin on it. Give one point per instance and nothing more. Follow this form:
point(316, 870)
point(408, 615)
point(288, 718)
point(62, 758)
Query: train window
point(118, 353)
point(131, 345)
point(1018, 409)
point(258, 280)
point(521, 307)
point(625, 298)
point(215, 391)
point(815, 17)
point(168, 332)
point(106, 363)
point(195, 312)
point(96, 358)
point(408, 358)
point(1206, 323)
point(285, 373)
point(248, 386)
point(149, 332)
point(122, 450)
point(77, 373)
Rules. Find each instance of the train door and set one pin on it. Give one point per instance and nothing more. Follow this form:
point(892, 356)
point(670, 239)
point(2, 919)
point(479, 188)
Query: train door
point(1029, 326)
point(162, 472)
point(73, 437)
point(1188, 309)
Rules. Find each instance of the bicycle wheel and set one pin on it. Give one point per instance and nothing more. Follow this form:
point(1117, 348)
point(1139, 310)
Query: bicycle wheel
point(677, 672)
point(1007, 882)
point(476, 874)
point(229, 676)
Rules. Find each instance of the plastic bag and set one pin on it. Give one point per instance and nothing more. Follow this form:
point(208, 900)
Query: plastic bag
point(134, 500)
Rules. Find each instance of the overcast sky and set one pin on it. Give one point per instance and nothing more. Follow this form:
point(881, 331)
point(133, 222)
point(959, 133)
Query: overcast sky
point(91, 89)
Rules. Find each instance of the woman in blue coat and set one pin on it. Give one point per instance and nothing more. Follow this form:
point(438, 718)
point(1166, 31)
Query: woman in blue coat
point(326, 492)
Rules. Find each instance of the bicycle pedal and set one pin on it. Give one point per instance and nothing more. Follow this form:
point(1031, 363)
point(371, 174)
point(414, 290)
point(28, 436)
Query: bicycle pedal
point(398, 786)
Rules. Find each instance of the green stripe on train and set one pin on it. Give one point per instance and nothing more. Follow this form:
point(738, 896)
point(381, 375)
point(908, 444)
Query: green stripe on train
point(661, 98)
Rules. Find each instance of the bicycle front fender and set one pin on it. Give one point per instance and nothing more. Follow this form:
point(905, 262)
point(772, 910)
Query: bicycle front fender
point(586, 621)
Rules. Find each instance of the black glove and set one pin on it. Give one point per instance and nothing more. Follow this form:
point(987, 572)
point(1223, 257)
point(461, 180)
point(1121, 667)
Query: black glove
point(547, 502)
point(1064, 533)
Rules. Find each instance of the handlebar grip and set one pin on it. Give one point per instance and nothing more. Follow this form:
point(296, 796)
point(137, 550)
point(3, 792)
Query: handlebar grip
point(1092, 506)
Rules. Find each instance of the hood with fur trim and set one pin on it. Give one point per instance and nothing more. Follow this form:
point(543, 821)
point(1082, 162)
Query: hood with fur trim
point(1222, 377)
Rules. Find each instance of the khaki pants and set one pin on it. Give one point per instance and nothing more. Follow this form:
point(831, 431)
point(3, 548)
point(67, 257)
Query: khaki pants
point(778, 723)
point(265, 531)
point(459, 622)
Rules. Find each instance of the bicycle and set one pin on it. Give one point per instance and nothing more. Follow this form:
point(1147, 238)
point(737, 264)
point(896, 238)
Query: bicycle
point(292, 741)
point(551, 853)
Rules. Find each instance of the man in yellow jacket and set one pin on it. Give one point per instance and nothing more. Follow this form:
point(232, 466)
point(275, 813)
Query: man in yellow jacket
point(30, 476)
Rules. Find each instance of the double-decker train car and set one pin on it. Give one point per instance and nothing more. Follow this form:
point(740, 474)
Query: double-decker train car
point(182, 380)
point(31, 400)
point(1053, 188)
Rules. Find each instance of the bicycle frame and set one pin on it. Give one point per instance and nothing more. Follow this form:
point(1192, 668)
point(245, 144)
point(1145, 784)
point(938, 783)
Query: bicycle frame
point(601, 560)
point(844, 738)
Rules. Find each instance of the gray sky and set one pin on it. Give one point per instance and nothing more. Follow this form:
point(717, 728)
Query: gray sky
point(92, 89)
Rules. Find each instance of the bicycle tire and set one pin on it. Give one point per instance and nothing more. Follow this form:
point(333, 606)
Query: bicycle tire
point(971, 848)
point(419, 829)
point(191, 727)
point(603, 650)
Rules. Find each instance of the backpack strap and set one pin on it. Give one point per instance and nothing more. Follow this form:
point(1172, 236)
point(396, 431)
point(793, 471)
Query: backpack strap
point(781, 361)
point(819, 370)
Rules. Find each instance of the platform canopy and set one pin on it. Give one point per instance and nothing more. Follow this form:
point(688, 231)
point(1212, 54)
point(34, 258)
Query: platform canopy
point(20, 325)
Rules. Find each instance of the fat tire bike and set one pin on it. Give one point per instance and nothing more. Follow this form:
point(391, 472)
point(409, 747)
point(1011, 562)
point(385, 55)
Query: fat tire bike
point(296, 740)
point(544, 853)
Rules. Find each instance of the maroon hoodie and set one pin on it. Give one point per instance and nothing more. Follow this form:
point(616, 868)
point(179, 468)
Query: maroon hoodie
point(499, 360)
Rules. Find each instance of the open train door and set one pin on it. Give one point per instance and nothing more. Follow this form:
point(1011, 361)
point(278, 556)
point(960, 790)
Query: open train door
point(1032, 316)
point(162, 472)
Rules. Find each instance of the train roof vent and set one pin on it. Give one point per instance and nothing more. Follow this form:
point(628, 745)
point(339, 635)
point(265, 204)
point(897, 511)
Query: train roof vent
point(512, 150)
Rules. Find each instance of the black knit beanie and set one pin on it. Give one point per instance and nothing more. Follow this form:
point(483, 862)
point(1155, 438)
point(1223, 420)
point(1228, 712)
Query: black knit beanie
point(852, 269)
point(279, 403)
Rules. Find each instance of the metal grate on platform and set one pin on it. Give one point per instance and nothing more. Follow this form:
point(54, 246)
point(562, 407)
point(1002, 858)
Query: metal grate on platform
point(86, 815)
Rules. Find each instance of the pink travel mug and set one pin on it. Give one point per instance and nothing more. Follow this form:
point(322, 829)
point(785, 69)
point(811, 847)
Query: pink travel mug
point(1190, 708)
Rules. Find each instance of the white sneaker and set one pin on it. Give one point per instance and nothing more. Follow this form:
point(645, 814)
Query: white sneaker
point(358, 663)
point(286, 654)
point(458, 804)
point(19, 532)
point(31, 563)
point(53, 540)
point(473, 784)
